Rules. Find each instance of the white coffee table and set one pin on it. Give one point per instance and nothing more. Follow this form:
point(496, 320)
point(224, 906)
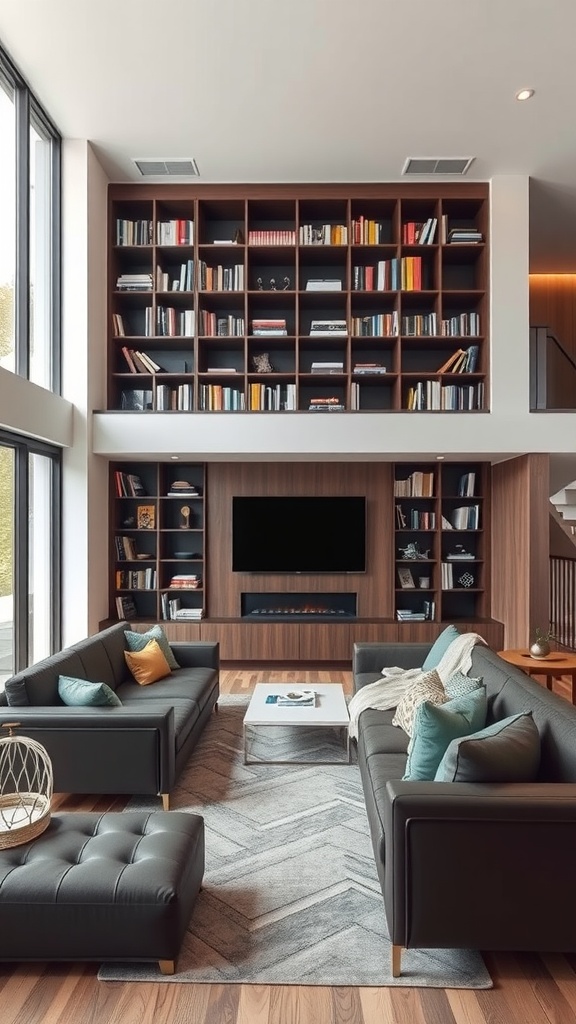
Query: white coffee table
point(330, 712)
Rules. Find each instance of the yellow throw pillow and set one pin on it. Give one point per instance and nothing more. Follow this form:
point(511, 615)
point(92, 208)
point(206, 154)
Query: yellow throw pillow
point(426, 686)
point(147, 665)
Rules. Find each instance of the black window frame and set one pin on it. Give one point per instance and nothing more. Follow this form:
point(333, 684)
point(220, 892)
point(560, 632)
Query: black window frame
point(28, 111)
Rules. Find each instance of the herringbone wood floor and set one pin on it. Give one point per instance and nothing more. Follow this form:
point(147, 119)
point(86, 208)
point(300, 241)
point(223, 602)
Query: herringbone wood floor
point(528, 988)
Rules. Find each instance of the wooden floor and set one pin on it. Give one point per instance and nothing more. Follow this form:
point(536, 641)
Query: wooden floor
point(528, 988)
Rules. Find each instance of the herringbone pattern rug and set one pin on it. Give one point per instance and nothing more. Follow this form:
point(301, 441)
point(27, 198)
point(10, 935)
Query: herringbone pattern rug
point(291, 894)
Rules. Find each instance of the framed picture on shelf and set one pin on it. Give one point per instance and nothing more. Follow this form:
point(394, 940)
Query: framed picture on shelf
point(146, 517)
point(406, 578)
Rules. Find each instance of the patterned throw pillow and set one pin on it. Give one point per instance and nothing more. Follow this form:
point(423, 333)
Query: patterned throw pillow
point(426, 686)
point(138, 641)
point(458, 685)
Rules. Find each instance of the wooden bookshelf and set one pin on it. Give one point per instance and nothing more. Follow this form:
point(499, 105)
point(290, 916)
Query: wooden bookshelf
point(380, 259)
point(157, 540)
point(441, 541)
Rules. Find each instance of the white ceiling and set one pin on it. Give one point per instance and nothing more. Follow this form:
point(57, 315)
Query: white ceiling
point(316, 90)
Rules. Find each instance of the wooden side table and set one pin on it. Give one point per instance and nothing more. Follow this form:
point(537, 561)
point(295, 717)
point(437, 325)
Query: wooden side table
point(553, 667)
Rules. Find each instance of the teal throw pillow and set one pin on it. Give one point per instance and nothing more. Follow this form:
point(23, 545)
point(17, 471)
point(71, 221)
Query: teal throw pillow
point(459, 684)
point(436, 725)
point(506, 751)
point(83, 693)
point(439, 647)
point(138, 641)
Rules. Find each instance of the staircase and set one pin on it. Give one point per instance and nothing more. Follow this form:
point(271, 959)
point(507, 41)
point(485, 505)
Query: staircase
point(564, 503)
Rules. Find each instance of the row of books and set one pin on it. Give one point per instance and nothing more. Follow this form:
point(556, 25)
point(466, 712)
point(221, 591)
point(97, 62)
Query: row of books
point(405, 273)
point(378, 325)
point(419, 233)
point(179, 398)
point(184, 282)
point(175, 232)
point(419, 484)
point(215, 325)
point(275, 398)
point(125, 548)
point(415, 519)
point(323, 234)
point(128, 485)
point(136, 579)
point(431, 395)
point(140, 362)
point(220, 278)
point(466, 517)
point(174, 323)
point(280, 236)
point(172, 609)
point(219, 398)
point(461, 361)
point(133, 232)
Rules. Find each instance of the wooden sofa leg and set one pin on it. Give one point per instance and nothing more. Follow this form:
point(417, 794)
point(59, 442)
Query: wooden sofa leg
point(165, 804)
point(216, 708)
point(396, 961)
point(167, 966)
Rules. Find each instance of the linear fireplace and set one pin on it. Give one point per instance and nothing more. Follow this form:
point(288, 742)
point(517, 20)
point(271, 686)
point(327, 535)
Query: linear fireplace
point(276, 606)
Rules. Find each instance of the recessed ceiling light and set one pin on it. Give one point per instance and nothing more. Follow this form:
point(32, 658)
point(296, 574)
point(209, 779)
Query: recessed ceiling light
point(175, 458)
point(440, 458)
point(525, 94)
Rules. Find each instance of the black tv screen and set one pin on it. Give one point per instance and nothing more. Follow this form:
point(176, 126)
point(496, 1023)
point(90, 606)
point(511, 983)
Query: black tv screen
point(299, 534)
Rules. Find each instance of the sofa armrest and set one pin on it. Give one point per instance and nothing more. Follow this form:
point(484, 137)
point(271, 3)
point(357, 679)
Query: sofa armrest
point(373, 657)
point(197, 654)
point(480, 866)
point(103, 750)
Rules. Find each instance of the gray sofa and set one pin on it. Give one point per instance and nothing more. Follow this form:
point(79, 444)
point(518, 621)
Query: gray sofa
point(484, 866)
point(138, 748)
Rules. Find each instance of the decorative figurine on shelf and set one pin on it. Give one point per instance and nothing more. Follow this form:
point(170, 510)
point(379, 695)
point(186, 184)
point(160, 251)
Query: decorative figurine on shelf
point(262, 363)
point(260, 284)
point(273, 284)
point(238, 237)
point(287, 284)
point(412, 551)
point(185, 517)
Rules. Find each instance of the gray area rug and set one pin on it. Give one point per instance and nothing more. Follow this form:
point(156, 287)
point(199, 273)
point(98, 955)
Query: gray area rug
point(291, 894)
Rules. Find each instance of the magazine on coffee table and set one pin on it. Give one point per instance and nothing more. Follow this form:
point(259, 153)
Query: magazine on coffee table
point(295, 698)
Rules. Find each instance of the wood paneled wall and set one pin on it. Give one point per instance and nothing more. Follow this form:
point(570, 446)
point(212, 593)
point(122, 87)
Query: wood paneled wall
point(520, 546)
point(375, 587)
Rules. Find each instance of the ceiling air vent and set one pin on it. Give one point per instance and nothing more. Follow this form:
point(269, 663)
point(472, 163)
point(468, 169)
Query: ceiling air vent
point(437, 164)
point(176, 167)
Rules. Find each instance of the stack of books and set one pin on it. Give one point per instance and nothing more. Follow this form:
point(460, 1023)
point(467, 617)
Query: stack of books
point(269, 328)
point(369, 368)
point(185, 581)
point(327, 367)
point(134, 283)
point(328, 328)
point(332, 404)
point(182, 489)
point(470, 236)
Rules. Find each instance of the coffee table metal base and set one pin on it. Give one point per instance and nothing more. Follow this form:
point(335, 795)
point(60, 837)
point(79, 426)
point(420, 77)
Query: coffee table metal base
point(291, 760)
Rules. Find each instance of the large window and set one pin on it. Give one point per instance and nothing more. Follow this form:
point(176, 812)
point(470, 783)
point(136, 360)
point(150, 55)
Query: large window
point(30, 233)
point(29, 552)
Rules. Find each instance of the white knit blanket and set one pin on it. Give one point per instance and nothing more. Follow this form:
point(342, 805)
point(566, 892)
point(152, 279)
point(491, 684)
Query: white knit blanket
point(386, 693)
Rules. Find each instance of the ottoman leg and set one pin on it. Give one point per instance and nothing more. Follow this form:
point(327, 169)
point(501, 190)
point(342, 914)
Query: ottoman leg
point(165, 801)
point(167, 966)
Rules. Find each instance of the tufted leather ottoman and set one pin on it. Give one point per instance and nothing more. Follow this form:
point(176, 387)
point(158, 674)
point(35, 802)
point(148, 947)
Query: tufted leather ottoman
point(102, 887)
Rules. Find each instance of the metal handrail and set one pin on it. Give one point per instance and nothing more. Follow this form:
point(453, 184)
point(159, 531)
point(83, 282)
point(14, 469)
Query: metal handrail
point(540, 378)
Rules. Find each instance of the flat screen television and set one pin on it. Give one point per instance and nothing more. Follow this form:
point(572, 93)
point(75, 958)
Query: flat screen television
point(299, 534)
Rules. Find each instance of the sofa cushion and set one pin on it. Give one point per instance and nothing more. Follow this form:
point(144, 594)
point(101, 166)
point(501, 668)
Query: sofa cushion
point(138, 641)
point(186, 712)
point(189, 683)
point(147, 665)
point(425, 686)
point(16, 695)
point(505, 751)
point(439, 647)
point(83, 693)
point(435, 726)
point(459, 684)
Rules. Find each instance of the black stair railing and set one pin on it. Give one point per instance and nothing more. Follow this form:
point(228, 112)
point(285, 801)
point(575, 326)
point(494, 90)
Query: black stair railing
point(552, 373)
point(563, 601)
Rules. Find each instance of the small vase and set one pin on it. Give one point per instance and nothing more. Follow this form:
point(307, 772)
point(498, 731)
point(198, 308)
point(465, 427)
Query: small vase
point(540, 649)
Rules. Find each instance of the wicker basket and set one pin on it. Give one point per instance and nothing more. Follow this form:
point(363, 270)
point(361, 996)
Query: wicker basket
point(26, 785)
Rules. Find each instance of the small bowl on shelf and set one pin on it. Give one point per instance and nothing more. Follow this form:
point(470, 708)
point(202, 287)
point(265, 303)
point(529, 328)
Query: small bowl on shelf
point(143, 555)
point(183, 554)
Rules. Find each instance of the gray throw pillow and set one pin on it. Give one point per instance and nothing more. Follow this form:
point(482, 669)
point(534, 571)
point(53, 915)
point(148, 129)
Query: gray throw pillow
point(506, 751)
point(16, 696)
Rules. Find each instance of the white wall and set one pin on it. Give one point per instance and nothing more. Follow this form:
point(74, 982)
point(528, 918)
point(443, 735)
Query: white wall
point(85, 505)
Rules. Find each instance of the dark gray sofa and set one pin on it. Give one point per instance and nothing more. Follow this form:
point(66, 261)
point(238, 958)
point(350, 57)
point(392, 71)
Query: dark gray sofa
point(139, 748)
point(478, 866)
